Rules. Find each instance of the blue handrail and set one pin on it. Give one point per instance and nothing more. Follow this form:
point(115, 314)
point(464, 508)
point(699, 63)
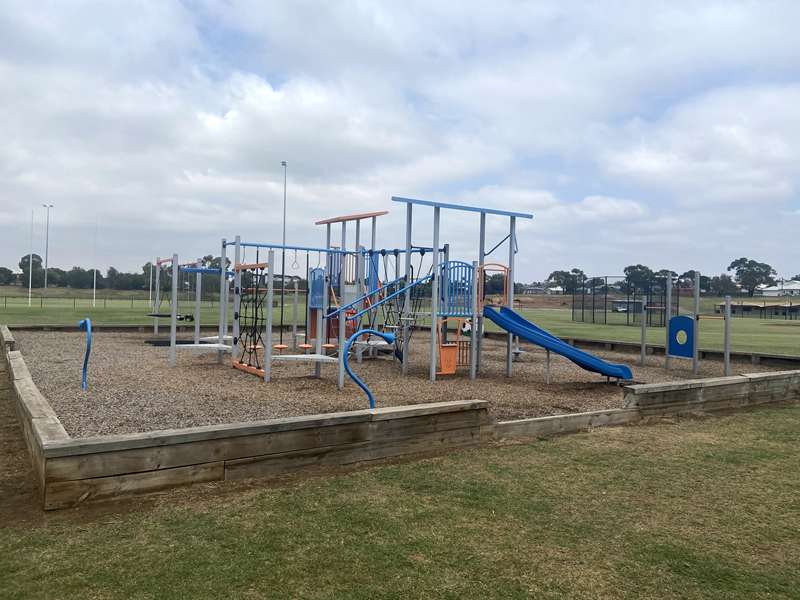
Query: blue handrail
point(362, 298)
point(86, 325)
point(389, 337)
point(425, 279)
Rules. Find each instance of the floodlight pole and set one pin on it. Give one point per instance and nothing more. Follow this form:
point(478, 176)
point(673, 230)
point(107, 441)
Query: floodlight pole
point(283, 249)
point(46, 243)
point(30, 263)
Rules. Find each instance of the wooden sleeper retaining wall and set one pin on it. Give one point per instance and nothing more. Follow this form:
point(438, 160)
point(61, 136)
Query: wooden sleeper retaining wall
point(70, 471)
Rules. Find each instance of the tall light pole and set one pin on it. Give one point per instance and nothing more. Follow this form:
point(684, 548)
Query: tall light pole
point(30, 263)
point(283, 250)
point(46, 243)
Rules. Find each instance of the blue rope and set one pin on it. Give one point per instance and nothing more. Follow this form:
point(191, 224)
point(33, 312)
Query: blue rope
point(86, 325)
point(389, 337)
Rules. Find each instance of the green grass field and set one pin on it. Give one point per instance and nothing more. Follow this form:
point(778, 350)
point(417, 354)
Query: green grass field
point(696, 509)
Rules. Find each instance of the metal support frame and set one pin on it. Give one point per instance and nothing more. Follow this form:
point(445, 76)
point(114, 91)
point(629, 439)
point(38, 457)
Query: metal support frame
point(268, 326)
point(512, 242)
point(342, 320)
point(326, 283)
point(173, 321)
point(198, 291)
point(643, 326)
point(727, 347)
point(222, 328)
point(157, 300)
point(237, 297)
point(407, 299)
point(667, 317)
point(294, 315)
point(473, 346)
point(481, 262)
point(435, 293)
point(696, 337)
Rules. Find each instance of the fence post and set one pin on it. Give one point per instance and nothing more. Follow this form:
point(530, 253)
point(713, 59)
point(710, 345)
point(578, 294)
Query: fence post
point(727, 336)
point(644, 331)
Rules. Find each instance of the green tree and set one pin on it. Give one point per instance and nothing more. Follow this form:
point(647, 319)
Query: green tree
point(638, 276)
point(569, 281)
point(722, 285)
point(38, 271)
point(750, 274)
point(686, 280)
point(7, 276)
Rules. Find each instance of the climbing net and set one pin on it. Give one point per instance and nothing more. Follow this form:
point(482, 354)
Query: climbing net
point(252, 294)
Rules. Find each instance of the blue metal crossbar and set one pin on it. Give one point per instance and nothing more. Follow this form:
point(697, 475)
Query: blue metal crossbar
point(477, 209)
point(282, 247)
point(402, 290)
point(364, 297)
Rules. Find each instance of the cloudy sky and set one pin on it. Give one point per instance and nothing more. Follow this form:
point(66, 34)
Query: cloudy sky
point(665, 133)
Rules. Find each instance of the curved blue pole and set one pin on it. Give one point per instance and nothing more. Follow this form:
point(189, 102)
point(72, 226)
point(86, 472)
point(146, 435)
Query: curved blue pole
point(389, 337)
point(86, 325)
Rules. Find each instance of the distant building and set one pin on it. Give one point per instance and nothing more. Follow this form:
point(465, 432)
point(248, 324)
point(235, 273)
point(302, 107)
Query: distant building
point(629, 306)
point(555, 290)
point(784, 288)
point(533, 289)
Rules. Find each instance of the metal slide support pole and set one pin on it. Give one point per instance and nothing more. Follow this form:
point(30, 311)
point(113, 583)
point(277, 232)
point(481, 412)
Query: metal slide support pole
point(407, 298)
point(149, 289)
point(547, 367)
point(342, 301)
point(481, 262)
point(667, 317)
point(473, 345)
point(512, 234)
point(294, 316)
point(268, 327)
point(237, 294)
point(322, 324)
point(173, 321)
point(643, 325)
point(198, 298)
point(157, 300)
point(696, 343)
point(435, 293)
point(728, 371)
point(222, 328)
point(373, 241)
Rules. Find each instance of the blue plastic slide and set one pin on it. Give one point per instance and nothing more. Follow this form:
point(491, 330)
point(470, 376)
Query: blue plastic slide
point(515, 323)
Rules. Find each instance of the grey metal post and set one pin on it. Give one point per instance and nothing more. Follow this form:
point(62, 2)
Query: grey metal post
point(173, 321)
point(473, 345)
point(377, 274)
point(157, 300)
point(407, 298)
point(222, 328)
point(322, 323)
point(198, 299)
point(696, 343)
point(644, 331)
point(512, 234)
point(727, 321)
point(435, 293)
point(268, 327)
point(667, 317)
point(547, 367)
point(342, 302)
point(237, 294)
point(342, 330)
point(481, 262)
point(294, 316)
point(445, 293)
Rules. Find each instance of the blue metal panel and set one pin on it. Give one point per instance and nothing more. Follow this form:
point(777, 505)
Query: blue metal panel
point(681, 336)
point(477, 209)
point(455, 288)
point(317, 286)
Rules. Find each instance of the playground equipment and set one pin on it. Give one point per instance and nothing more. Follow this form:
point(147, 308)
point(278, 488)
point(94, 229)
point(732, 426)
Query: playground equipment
point(86, 325)
point(683, 332)
point(370, 300)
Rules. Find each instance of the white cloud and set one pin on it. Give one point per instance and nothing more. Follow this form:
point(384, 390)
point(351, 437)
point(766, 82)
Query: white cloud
point(634, 133)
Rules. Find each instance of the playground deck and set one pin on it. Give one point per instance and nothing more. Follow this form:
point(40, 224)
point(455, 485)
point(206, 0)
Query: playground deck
point(132, 388)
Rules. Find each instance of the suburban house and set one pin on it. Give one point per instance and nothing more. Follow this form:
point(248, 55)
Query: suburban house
point(784, 288)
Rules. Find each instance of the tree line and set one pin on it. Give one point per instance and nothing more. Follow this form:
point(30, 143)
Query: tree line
point(742, 275)
point(113, 279)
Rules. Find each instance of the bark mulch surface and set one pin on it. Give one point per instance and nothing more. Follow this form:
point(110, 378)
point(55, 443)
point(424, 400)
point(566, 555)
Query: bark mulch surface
point(133, 389)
